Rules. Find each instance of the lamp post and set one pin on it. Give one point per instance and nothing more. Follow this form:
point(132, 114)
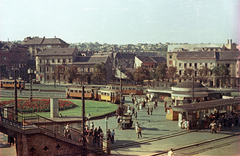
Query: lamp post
point(30, 72)
point(15, 95)
point(121, 103)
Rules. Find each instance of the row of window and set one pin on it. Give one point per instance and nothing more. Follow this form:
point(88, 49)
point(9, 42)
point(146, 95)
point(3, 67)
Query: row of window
point(195, 65)
point(57, 61)
point(51, 69)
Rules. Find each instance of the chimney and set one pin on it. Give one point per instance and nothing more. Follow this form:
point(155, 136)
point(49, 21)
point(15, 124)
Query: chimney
point(227, 41)
point(54, 36)
point(230, 41)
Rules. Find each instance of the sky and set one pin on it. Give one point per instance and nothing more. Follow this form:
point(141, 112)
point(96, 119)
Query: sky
point(121, 21)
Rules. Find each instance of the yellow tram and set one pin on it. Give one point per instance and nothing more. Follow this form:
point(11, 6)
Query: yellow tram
point(10, 84)
point(76, 92)
point(109, 95)
point(127, 89)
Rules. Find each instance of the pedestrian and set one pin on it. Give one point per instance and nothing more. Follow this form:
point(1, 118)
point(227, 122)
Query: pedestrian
point(170, 153)
point(213, 126)
point(123, 124)
point(148, 110)
point(11, 141)
point(136, 126)
point(133, 110)
point(112, 134)
point(109, 137)
point(92, 126)
point(156, 103)
point(151, 109)
point(165, 104)
point(135, 115)
point(139, 131)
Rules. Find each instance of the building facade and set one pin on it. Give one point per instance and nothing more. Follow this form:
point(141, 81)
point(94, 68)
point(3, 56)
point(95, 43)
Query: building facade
point(36, 44)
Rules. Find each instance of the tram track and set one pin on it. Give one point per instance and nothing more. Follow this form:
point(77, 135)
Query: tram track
point(171, 135)
point(198, 145)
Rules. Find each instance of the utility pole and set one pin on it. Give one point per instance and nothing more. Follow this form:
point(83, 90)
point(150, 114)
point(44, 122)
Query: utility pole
point(83, 120)
point(15, 96)
point(192, 88)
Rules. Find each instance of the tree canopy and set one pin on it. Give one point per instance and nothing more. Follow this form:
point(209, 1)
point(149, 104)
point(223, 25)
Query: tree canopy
point(100, 73)
point(141, 74)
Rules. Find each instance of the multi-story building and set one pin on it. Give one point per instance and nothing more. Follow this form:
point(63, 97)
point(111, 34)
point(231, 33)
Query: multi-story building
point(14, 55)
point(36, 44)
point(48, 59)
point(148, 62)
point(86, 64)
point(209, 57)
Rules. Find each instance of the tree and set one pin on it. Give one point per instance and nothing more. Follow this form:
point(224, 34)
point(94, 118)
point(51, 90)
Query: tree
point(100, 73)
point(161, 71)
point(129, 75)
point(71, 73)
point(3, 71)
point(171, 73)
point(221, 72)
point(188, 73)
point(203, 73)
point(58, 71)
point(141, 74)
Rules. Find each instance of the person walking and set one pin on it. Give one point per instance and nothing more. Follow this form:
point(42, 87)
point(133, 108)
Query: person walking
point(92, 126)
point(213, 126)
point(112, 134)
point(170, 153)
point(151, 109)
point(136, 126)
point(139, 131)
point(135, 115)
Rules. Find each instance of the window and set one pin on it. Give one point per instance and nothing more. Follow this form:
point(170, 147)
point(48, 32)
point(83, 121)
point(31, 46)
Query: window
point(46, 68)
point(47, 77)
point(170, 62)
point(58, 60)
point(180, 64)
point(64, 60)
point(180, 72)
point(47, 60)
point(52, 60)
point(40, 61)
point(205, 64)
point(185, 65)
point(40, 69)
point(69, 60)
point(170, 56)
point(190, 64)
point(228, 65)
point(195, 65)
point(88, 69)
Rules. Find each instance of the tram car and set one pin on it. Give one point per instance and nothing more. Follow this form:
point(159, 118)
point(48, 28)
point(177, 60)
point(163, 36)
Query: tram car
point(109, 95)
point(127, 89)
point(10, 84)
point(76, 92)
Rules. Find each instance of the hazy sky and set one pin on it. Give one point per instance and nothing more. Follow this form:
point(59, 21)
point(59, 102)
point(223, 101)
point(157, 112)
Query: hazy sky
point(121, 21)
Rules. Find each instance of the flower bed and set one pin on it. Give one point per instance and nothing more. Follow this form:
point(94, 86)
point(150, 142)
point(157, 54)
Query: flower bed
point(38, 105)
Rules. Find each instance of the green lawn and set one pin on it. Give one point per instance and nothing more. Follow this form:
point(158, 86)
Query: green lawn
point(95, 108)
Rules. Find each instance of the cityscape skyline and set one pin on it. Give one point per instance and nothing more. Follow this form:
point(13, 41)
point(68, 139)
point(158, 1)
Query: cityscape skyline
point(125, 22)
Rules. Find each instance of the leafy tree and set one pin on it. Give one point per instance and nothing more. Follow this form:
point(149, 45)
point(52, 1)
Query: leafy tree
point(161, 71)
point(171, 73)
point(221, 72)
point(141, 74)
point(129, 75)
point(3, 71)
point(59, 70)
point(100, 73)
point(188, 73)
point(203, 73)
point(71, 73)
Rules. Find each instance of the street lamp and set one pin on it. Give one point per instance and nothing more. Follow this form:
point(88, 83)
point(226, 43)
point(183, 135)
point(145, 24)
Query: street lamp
point(15, 94)
point(30, 72)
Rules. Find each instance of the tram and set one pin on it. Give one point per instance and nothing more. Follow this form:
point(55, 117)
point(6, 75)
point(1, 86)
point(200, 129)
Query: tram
point(10, 84)
point(109, 95)
point(127, 89)
point(76, 92)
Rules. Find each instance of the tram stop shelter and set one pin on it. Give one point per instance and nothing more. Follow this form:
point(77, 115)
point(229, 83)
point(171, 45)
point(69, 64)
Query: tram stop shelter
point(194, 111)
